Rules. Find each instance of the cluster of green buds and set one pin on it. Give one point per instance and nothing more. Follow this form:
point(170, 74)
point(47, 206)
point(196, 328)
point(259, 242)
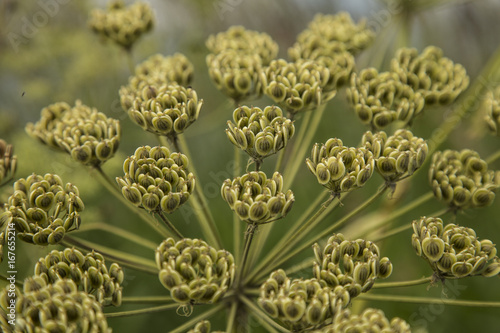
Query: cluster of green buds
point(257, 199)
point(454, 251)
point(339, 31)
point(491, 105)
point(176, 68)
point(87, 135)
point(370, 320)
point(122, 25)
point(42, 209)
point(354, 265)
point(260, 133)
point(162, 109)
point(340, 168)
point(301, 304)
point(156, 179)
point(437, 78)
point(236, 74)
point(236, 61)
point(8, 161)
point(380, 99)
point(193, 271)
point(462, 180)
point(331, 40)
point(298, 86)
point(244, 41)
point(88, 272)
point(203, 327)
point(398, 156)
point(57, 307)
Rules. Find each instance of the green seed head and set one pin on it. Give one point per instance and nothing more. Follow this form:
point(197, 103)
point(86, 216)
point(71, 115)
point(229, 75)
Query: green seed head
point(122, 25)
point(193, 271)
point(462, 180)
point(156, 179)
point(437, 78)
point(256, 198)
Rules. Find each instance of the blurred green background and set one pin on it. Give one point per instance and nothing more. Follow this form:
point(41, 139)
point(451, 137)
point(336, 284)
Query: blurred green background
point(51, 57)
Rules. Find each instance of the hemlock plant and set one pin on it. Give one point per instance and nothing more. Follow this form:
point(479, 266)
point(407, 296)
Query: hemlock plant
point(221, 281)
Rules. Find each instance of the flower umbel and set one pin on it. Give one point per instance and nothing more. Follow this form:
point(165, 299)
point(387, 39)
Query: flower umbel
point(355, 265)
point(462, 180)
point(88, 272)
point(301, 304)
point(339, 168)
point(156, 179)
point(257, 199)
point(43, 209)
point(398, 156)
point(87, 135)
point(122, 25)
point(165, 110)
point(260, 133)
point(57, 307)
point(454, 251)
point(8, 162)
point(193, 271)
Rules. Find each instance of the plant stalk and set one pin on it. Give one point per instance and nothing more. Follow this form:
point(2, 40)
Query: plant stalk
point(122, 258)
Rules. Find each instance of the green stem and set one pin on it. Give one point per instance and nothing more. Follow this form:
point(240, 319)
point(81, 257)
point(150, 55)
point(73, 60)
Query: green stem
point(301, 144)
point(261, 314)
point(426, 300)
point(141, 311)
point(114, 190)
point(425, 280)
point(493, 157)
point(310, 129)
point(249, 233)
point(18, 283)
point(119, 232)
point(393, 232)
point(304, 265)
point(231, 317)
point(289, 240)
point(184, 327)
point(290, 254)
point(279, 162)
point(405, 227)
point(397, 213)
point(122, 258)
point(236, 219)
point(170, 225)
point(146, 299)
point(200, 205)
point(130, 61)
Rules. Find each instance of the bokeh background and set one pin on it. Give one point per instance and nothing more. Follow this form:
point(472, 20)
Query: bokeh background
point(43, 61)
